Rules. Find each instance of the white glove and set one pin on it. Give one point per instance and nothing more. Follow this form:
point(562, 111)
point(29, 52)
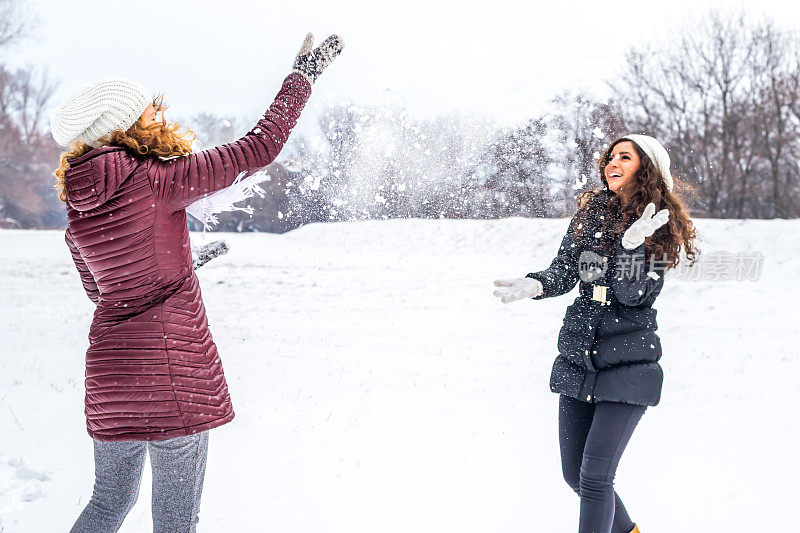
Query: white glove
point(644, 227)
point(517, 289)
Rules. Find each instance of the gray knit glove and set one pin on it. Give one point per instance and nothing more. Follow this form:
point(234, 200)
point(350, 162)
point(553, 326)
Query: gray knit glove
point(517, 289)
point(203, 254)
point(310, 63)
point(644, 227)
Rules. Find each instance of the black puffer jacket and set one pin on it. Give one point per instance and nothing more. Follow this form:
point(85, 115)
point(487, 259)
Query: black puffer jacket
point(607, 351)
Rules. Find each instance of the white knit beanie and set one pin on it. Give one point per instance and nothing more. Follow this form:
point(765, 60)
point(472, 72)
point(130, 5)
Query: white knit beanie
point(95, 109)
point(657, 154)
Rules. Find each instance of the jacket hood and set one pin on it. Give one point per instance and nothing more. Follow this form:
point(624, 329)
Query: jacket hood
point(94, 177)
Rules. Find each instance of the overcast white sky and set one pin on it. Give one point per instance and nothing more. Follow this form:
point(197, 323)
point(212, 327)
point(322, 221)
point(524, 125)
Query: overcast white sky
point(499, 58)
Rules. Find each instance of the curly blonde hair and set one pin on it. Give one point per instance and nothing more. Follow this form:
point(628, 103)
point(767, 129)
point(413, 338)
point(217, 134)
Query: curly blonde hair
point(161, 139)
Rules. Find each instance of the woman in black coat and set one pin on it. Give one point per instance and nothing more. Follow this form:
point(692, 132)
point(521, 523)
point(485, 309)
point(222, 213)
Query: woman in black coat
point(607, 372)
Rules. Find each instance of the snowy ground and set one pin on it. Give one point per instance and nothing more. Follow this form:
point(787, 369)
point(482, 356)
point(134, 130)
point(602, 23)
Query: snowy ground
point(379, 387)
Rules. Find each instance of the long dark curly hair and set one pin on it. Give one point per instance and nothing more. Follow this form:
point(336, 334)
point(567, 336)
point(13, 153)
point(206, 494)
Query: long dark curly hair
point(604, 206)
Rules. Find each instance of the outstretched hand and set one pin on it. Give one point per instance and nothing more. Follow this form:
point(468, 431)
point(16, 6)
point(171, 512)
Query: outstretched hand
point(203, 254)
point(310, 63)
point(517, 289)
point(647, 224)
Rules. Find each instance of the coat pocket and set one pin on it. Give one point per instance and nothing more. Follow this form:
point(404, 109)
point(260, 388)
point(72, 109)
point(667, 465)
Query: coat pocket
point(575, 347)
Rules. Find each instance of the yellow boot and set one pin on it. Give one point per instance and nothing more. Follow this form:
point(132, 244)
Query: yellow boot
point(635, 529)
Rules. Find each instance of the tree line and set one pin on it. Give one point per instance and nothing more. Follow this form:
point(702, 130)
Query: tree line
point(723, 95)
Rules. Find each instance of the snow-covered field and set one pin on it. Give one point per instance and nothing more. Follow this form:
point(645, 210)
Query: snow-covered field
point(379, 387)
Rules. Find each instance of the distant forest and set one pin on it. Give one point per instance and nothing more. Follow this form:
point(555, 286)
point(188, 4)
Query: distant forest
point(722, 95)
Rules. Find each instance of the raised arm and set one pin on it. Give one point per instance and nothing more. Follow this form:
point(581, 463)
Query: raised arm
point(87, 279)
point(637, 281)
point(181, 181)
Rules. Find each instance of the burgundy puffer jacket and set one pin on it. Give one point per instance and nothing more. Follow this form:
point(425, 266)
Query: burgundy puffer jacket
point(152, 369)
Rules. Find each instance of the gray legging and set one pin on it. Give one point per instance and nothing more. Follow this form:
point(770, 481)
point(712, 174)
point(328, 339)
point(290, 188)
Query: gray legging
point(179, 465)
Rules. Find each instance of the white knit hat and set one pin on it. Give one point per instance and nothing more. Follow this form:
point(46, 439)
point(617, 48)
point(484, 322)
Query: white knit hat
point(95, 109)
point(657, 154)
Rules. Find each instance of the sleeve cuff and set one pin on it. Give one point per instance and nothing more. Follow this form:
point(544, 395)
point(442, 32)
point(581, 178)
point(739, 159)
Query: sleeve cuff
point(537, 277)
point(632, 251)
point(301, 77)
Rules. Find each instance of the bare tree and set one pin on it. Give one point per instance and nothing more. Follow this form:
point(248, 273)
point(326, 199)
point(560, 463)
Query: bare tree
point(723, 95)
point(27, 153)
point(517, 177)
point(15, 22)
point(34, 89)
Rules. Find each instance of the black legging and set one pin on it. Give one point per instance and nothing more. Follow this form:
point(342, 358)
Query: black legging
point(593, 437)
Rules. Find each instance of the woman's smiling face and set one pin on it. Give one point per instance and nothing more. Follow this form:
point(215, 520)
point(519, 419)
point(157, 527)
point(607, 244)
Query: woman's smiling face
point(621, 169)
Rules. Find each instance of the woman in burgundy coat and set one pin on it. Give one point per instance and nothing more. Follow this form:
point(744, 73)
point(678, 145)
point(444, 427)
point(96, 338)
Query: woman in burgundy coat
point(154, 380)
